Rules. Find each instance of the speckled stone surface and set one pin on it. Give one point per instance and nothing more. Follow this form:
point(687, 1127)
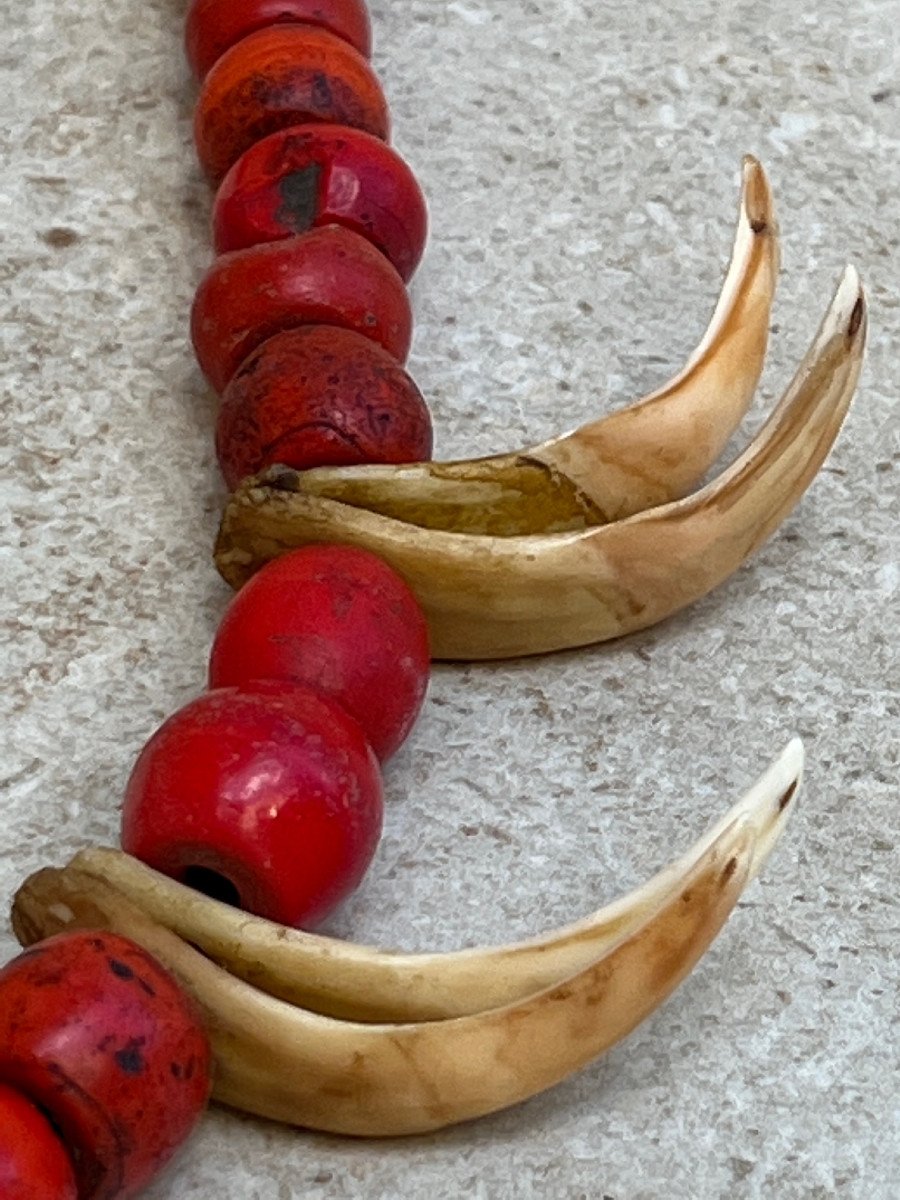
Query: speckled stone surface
point(581, 161)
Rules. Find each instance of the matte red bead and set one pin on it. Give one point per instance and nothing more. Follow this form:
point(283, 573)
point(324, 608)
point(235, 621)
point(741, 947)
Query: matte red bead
point(100, 1036)
point(33, 1163)
point(279, 76)
point(329, 276)
point(312, 175)
point(268, 796)
point(338, 619)
point(320, 396)
point(213, 26)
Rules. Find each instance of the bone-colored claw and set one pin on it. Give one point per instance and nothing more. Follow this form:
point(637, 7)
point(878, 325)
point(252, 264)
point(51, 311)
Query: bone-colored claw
point(344, 980)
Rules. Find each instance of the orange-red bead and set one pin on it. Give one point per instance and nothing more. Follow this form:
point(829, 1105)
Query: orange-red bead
point(103, 1040)
point(280, 76)
point(320, 396)
point(214, 26)
point(329, 276)
point(311, 175)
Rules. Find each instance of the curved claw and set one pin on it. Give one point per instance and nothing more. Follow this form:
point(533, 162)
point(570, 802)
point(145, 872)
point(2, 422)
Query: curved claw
point(500, 597)
point(359, 983)
point(654, 451)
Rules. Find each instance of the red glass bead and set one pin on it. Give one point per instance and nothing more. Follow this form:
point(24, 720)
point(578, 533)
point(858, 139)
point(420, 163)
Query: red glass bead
point(329, 276)
point(268, 796)
point(312, 175)
point(214, 26)
point(338, 619)
point(33, 1163)
point(319, 396)
point(280, 76)
point(98, 1035)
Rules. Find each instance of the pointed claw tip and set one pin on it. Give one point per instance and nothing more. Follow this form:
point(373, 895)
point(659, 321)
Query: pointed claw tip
point(757, 197)
point(851, 295)
point(795, 748)
point(793, 757)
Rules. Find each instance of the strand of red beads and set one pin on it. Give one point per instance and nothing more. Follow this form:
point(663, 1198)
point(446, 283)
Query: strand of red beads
point(266, 790)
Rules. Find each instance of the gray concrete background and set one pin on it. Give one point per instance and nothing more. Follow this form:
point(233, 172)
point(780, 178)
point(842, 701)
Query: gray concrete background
point(581, 161)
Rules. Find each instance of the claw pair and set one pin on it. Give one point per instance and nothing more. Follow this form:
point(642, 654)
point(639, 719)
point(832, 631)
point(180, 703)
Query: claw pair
point(343, 1038)
point(586, 537)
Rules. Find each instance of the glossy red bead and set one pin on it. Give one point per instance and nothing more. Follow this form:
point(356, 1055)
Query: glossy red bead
point(340, 620)
point(214, 26)
point(319, 396)
point(280, 76)
point(329, 276)
point(98, 1035)
point(312, 175)
point(33, 1163)
point(268, 797)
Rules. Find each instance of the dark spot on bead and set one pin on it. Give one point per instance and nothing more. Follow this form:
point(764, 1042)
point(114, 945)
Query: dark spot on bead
point(60, 239)
point(123, 971)
point(48, 979)
point(321, 96)
point(130, 1058)
point(788, 796)
point(177, 1070)
point(299, 192)
point(730, 868)
point(759, 226)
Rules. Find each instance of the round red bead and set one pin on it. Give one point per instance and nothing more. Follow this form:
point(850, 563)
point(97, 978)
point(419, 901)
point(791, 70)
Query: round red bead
point(101, 1037)
point(320, 396)
point(214, 26)
point(280, 76)
point(33, 1163)
point(312, 175)
point(341, 620)
point(268, 796)
point(329, 276)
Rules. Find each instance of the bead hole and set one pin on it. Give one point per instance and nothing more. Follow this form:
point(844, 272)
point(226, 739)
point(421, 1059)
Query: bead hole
point(212, 884)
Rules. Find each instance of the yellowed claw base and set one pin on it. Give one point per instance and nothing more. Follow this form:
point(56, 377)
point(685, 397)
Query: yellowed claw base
point(500, 597)
point(655, 450)
point(282, 1062)
point(344, 980)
